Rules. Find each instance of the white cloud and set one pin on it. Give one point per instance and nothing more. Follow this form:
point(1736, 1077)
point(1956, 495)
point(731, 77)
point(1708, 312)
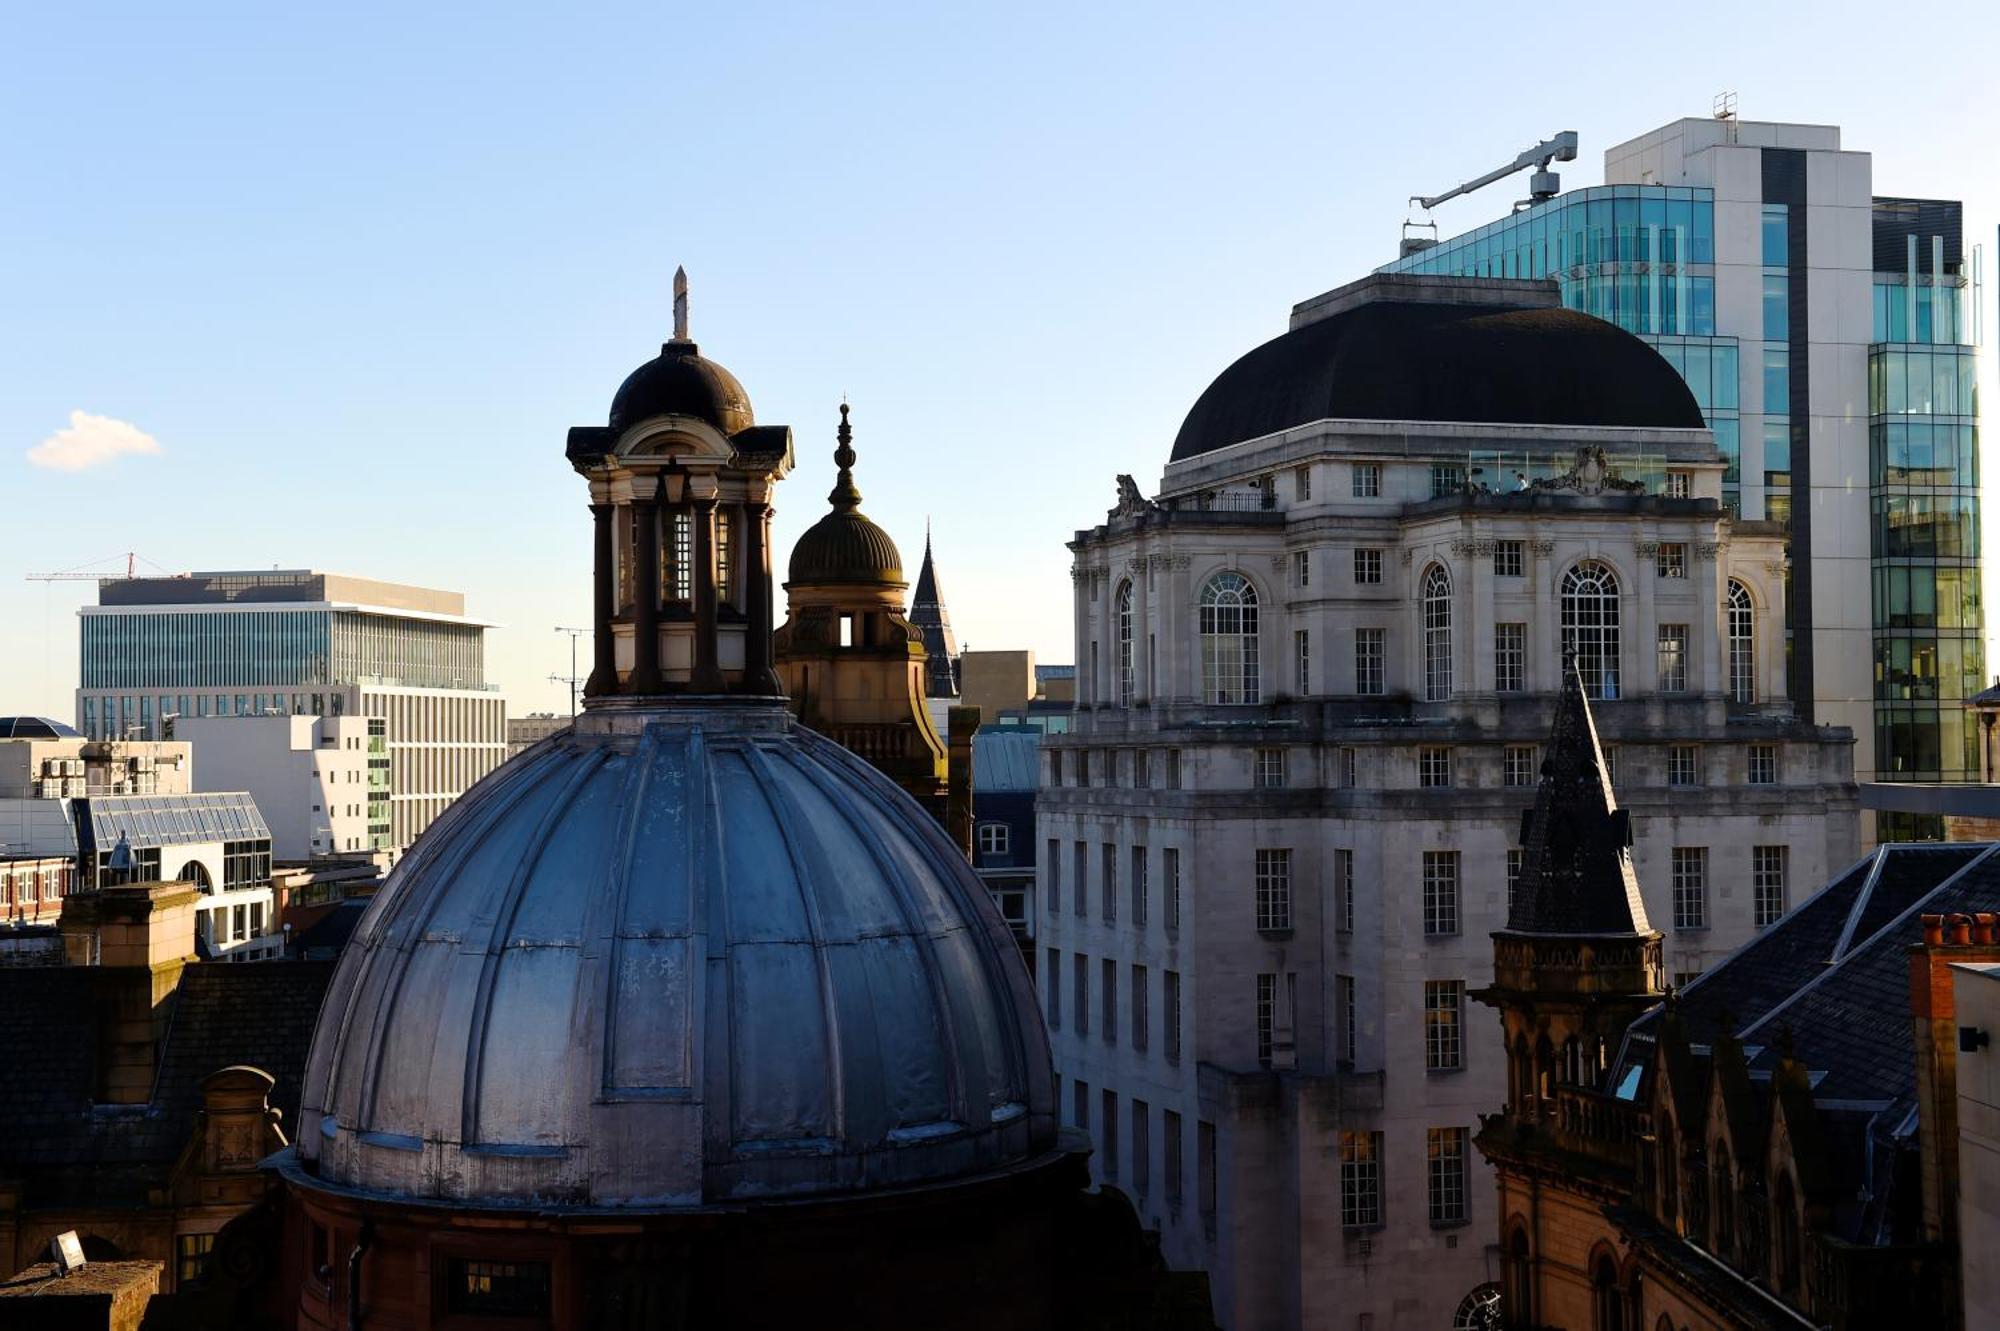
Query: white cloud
point(91, 441)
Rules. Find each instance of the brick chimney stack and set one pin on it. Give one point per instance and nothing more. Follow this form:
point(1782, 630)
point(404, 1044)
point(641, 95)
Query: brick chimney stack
point(1948, 940)
point(140, 937)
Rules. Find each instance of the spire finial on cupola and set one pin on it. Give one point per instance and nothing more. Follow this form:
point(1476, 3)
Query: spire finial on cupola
point(845, 496)
point(680, 304)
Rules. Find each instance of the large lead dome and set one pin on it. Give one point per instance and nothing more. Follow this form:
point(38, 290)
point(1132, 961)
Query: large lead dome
point(677, 955)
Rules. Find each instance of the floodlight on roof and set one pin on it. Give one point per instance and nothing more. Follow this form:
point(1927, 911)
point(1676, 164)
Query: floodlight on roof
point(66, 1251)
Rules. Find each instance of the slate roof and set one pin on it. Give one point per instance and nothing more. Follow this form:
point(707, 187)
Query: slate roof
point(1408, 361)
point(36, 727)
point(1576, 873)
point(67, 1149)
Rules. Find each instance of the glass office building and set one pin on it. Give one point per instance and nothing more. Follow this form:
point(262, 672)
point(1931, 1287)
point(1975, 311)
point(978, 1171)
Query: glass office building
point(1641, 257)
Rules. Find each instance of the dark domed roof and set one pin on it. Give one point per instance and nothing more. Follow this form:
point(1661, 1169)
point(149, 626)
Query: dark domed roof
point(844, 546)
point(35, 727)
point(1412, 361)
point(681, 382)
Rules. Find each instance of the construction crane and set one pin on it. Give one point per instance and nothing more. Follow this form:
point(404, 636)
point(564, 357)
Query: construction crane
point(93, 572)
point(1544, 184)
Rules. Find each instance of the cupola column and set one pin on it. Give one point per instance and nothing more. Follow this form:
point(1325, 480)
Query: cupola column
point(603, 596)
point(707, 673)
point(758, 676)
point(645, 676)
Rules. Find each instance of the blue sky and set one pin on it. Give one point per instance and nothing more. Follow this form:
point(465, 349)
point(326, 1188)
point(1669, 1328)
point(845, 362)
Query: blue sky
point(356, 269)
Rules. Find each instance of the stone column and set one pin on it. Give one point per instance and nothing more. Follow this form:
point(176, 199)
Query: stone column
point(707, 674)
point(1142, 626)
point(1475, 669)
point(1545, 634)
point(603, 604)
point(758, 676)
point(1707, 572)
point(645, 677)
point(1646, 631)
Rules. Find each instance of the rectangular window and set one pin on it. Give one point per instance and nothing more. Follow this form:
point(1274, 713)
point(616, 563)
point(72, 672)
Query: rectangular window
point(1433, 767)
point(1673, 657)
point(1052, 976)
point(497, 1289)
point(1171, 1164)
point(1274, 889)
point(1079, 1104)
point(1368, 661)
point(1302, 568)
point(1683, 765)
point(191, 1255)
point(1510, 657)
point(1302, 484)
point(1080, 992)
point(1173, 769)
point(1109, 1024)
point(1055, 767)
point(1516, 857)
point(1444, 1044)
point(1270, 769)
point(1690, 884)
point(1517, 765)
point(1108, 889)
point(1440, 892)
point(1446, 1149)
point(1360, 1180)
point(1777, 311)
point(1204, 1147)
point(1367, 567)
point(1768, 872)
point(1349, 1016)
point(1763, 764)
point(1267, 1013)
point(1171, 1013)
point(1141, 1012)
point(1109, 1118)
point(1777, 380)
point(1079, 861)
point(1776, 233)
point(1508, 561)
point(1053, 874)
point(1348, 768)
point(1447, 478)
point(1343, 890)
point(1170, 888)
point(1140, 888)
point(1680, 484)
point(1142, 1147)
point(1367, 480)
point(1302, 658)
point(1671, 560)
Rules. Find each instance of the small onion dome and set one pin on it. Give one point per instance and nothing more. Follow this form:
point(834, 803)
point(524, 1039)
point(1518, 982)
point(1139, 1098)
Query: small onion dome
point(844, 547)
point(682, 382)
point(677, 956)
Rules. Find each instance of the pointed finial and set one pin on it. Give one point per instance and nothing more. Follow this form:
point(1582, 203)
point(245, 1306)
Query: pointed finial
point(845, 496)
point(680, 304)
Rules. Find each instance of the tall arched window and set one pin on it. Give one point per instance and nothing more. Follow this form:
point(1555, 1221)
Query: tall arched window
point(1437, 634)
point(1742, 644)
point(1590, 625)
point(1229, 640)
point(1479, 1310)
point(1607, 1299)
point(1785, 1221)
point(1520, 1280)
point(1124, 644)
point(1723, 1202)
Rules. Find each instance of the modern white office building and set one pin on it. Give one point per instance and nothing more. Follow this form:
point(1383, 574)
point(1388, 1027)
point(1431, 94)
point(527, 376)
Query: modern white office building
point(1315, 670)
point(301, 643)
point(321, 782)
point(1829, 335)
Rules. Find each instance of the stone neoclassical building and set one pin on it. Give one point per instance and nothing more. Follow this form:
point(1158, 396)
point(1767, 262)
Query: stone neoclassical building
point(1315, 672)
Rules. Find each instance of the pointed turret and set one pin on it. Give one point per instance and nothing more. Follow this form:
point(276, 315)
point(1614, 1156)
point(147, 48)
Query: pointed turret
point(1576, 872)
point(927, 612)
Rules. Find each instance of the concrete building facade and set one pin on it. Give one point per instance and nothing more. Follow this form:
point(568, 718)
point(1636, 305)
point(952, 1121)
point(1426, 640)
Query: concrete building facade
point(1830, 337)
point(301, 643)
point(310, 775)
point(1314, 677)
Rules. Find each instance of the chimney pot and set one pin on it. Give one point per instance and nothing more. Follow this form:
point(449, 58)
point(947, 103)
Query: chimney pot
point(1934, 930)
point(1959, 929)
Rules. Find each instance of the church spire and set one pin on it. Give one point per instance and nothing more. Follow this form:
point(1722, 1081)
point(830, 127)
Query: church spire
point(928, 613)
point(1576, 875)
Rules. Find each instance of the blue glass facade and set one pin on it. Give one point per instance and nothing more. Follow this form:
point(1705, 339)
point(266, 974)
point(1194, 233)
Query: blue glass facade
point(1641, 258)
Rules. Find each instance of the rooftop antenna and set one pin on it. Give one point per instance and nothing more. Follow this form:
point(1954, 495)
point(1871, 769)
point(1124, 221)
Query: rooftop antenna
point(1544, 184)
point(573, 679)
